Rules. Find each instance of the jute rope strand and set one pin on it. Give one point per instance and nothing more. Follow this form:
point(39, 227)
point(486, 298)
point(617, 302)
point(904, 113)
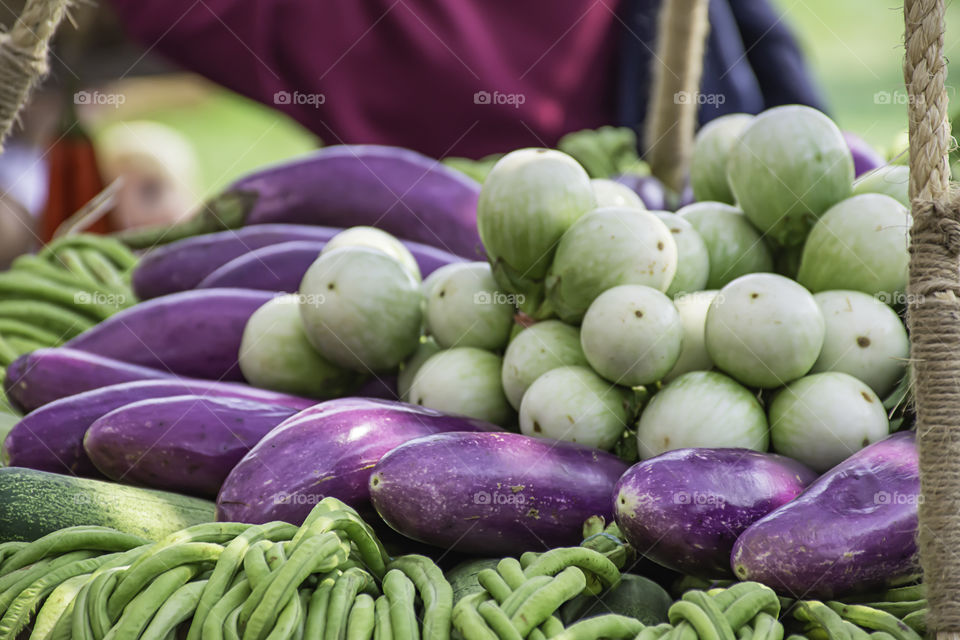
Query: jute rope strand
point(933, 313)
point(672, 113)
point(23, 56)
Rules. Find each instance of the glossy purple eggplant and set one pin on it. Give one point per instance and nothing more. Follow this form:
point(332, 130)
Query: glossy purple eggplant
point(493, 494)
point(191, 333)
point(854, 529)
point(280, 267)
point(400, 191)
point(51, 438)
point(326, 450)
point(185, 443)
point(181, 265)
point(685, 508)
point(42, 376)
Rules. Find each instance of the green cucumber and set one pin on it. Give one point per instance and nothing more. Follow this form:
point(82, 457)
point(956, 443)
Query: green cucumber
point(35, 503)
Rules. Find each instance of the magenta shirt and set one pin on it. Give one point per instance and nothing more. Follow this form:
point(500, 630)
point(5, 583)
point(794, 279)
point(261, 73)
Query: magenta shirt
point(444, 77)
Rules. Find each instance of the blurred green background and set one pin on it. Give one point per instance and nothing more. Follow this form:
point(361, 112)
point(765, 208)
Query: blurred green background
point(855, 48)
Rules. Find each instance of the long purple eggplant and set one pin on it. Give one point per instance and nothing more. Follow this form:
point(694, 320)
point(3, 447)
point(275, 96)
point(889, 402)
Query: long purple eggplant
point(191, 333)
point(182, 443)
point(280, 267)
point(51, 438)
point(42, 376)
point(854, 529)
point(685, 508)
point(183, 264)
point(493, 493)
point(400, 191)
point(327, 450)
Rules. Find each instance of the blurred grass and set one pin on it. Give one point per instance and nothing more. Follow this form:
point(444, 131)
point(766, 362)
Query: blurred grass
point(856, 50)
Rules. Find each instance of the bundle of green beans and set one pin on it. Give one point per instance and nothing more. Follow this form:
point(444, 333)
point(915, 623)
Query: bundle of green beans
point(329, 578)
point(895, 614)
point(69, 286)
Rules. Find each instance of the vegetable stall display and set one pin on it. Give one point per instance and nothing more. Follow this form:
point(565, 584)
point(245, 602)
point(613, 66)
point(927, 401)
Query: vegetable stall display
point(529, 406)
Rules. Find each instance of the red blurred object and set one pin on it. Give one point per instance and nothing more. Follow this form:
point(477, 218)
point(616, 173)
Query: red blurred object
point(74, 181)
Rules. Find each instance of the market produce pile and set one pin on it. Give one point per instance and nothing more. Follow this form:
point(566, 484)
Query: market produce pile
point(332, 578)
point(420, 370)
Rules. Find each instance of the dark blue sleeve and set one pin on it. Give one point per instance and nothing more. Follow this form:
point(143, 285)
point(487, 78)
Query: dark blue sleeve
point(775, 55)
point(752, 61)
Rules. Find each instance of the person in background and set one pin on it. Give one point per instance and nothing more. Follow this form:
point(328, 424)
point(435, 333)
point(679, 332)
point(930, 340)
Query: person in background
point(453, 77)
point(159, 170)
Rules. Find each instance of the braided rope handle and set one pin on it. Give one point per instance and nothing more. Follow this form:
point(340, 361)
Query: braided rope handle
point(23, 56)
point(672, 113)
point(933, 312)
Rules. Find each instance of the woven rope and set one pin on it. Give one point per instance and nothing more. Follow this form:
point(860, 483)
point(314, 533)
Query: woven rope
point(23, 56)
point(933, 313)
point(672, 113)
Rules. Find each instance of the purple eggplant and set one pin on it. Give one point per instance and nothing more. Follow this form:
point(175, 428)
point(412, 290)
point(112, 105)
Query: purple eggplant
point(685, 508)
point(42, 376)
point(650, 190)
point(181, 265)
point(327, 450)
point(280, 267)
point(51, 438)
point(400, 191)
point(493, 493)
point(183, 443)
point(191, 333)
point(865, 157)
point(854, 529)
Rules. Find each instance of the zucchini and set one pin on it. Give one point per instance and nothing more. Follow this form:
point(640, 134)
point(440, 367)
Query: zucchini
point(463, 577)
point(634, 596)
point(35, 503)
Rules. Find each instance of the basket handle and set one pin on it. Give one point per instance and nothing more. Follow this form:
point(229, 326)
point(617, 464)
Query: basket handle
point(933, 313)
point(672, 113)
point(23, 56)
